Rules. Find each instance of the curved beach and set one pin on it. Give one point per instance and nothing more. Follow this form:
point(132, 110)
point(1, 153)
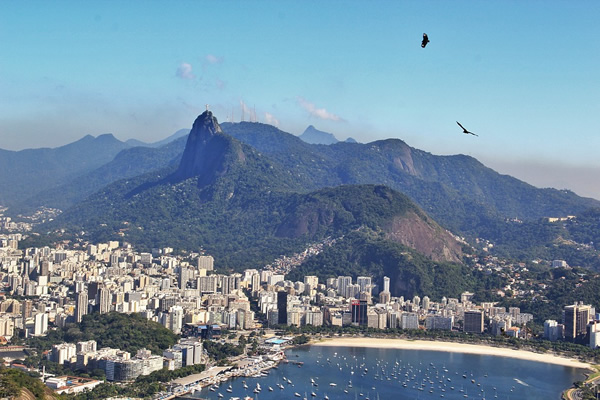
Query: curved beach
point(453, 347)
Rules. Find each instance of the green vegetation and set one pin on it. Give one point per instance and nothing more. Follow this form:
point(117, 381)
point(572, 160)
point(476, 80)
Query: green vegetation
point(129, 332)
point(12, 381)
point(565, 286)
point(365, 253)
point(273, 223)
point(221, 351)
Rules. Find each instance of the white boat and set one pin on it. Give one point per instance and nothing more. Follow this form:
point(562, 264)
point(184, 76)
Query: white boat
point(297, 394)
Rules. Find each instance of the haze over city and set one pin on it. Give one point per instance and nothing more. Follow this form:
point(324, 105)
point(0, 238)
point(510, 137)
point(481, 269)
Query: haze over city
point(522, 75)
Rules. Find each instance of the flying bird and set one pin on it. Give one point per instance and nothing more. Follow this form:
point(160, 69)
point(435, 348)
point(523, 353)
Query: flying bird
point(425, 40)
point(465, 130)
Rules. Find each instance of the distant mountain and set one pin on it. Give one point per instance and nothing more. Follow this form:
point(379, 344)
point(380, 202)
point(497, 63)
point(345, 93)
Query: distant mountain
point(314, 136)
point(128, 163)
point(179, 134)
point(138, 143)
point(60, 177)
point(27, 172)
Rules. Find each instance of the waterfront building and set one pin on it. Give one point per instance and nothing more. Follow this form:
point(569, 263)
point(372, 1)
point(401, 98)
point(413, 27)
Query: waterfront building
point(575, 319)
point(551, 330)
point(409, 320)
point(593, 334)
point(359, 312)
point(473, 321)
point(439, 322)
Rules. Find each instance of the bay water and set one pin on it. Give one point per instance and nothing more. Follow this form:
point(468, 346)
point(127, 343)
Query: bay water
point(352, 373)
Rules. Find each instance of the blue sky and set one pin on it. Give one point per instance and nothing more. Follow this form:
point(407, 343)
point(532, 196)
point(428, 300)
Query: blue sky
point(524, 75)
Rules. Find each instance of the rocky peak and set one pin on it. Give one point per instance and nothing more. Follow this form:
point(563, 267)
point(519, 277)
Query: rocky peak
point(205, 152)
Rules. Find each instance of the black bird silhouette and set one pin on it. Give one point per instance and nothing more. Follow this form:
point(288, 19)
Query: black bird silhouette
point(425, 40)
point(465, 130)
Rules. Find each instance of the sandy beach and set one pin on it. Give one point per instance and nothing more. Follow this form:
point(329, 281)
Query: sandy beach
point(452, 347)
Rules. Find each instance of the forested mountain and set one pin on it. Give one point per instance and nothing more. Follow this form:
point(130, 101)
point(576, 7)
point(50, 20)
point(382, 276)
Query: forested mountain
point(226, 197)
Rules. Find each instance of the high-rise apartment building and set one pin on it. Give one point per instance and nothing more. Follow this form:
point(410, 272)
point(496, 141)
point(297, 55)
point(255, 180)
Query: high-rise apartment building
point(282, 317)
point(81, 306)
point(575, 320)
point(473, 321)
point(359, 312)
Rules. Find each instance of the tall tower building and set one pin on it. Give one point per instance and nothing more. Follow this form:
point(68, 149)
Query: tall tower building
point(105, 300)
point(93, 289)
point(359, 312)
point(206, 262)
point(45, 267)
point(364, 282)
point(229, 283)
point(386, 284)
point(342, 284)
point(575, 320)
point(27, 309)
point(184, 276)
point(282, 307)
point(81, 306)
point(473, 321)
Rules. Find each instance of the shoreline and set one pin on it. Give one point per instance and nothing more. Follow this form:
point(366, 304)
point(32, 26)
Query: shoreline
point(453, 347)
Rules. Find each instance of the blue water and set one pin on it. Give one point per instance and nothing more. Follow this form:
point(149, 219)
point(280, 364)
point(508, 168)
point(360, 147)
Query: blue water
point(366, 373)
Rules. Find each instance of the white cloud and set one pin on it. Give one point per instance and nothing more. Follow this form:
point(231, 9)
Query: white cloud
point(184, 71)
point(211, 58)
point(320, 113)
point(271, 120)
